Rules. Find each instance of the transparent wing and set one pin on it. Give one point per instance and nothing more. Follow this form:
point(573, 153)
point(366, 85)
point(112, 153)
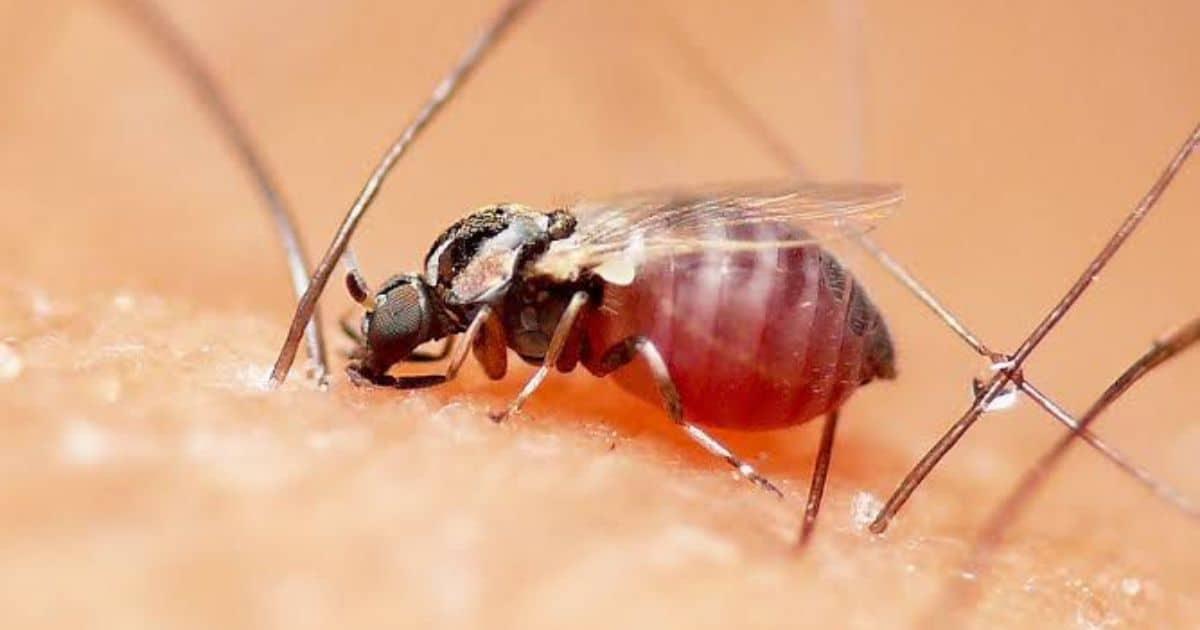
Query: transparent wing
point(776, 215)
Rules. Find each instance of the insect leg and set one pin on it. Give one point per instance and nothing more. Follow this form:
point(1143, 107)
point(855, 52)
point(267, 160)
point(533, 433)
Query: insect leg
point(562, 332)
point(820, 472)
point(459, 351)
point(670, 395)
point(490, 347)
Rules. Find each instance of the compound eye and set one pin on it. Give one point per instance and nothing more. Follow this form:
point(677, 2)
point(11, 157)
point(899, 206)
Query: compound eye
point(397, 324)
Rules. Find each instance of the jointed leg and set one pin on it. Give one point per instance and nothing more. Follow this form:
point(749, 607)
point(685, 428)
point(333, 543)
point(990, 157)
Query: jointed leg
point(674, 405)
point(562, 331)
point(816, 489)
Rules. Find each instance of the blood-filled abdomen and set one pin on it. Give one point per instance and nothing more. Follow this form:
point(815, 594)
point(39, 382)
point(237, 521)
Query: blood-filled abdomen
point(753, 339)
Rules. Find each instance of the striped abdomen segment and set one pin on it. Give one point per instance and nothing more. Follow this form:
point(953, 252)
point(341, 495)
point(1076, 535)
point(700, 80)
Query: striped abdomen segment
point(753, 339)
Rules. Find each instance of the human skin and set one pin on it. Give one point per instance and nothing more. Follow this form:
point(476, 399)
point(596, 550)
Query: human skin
point(148, 479)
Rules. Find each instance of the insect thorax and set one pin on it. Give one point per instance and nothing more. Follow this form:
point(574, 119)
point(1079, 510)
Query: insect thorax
point(477, 259)
point(530, 313)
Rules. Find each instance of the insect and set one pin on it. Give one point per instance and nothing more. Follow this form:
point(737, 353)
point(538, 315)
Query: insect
point(558, 289)
point(586, 285)
point(743, 319)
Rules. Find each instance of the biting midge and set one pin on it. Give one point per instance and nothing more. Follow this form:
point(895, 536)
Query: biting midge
point(699, 287)
point(551, 286)
point(743, 320)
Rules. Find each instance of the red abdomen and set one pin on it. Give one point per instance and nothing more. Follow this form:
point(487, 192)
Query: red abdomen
point(752, 339)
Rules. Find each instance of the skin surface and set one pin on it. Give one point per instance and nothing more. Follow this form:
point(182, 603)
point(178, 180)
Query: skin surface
point(148, 480)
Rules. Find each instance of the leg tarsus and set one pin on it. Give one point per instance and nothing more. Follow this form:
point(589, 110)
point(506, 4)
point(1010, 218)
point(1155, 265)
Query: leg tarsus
point(419, 381)
point(820, 474)
point(674, 405)
point(743, 468)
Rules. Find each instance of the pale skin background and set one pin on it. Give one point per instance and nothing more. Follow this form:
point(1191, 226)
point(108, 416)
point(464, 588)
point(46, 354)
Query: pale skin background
point(147, 481)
